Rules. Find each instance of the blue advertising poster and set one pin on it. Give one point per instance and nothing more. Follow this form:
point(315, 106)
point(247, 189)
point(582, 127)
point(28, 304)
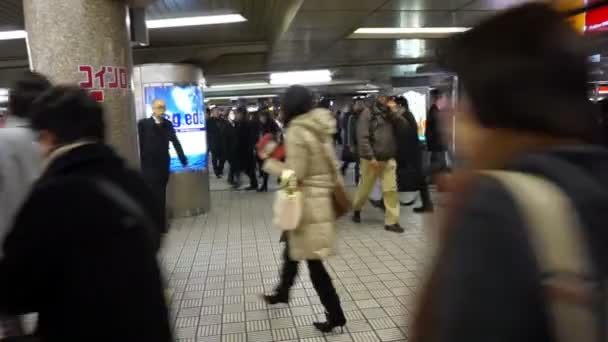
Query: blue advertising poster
point(185, 109)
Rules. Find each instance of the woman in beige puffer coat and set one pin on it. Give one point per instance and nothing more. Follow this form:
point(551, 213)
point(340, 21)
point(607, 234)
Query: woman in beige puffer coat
point(309, 135)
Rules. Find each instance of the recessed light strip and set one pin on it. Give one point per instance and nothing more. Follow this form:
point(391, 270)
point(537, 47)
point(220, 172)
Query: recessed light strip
point(406, 32)
point(238, 85)
point(300, 77)
point(195, 21)
point(211, 98)
point(8, 35)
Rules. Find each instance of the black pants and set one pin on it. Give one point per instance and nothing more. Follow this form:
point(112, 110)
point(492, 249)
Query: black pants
point(249, 169)
point(320, 280)
point(439, 162)
point(218, 161)
point(425, 195)
point(159, 188)
point(345, 166)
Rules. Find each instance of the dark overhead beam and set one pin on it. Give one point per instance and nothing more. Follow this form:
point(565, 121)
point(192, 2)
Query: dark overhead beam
point(287, 11)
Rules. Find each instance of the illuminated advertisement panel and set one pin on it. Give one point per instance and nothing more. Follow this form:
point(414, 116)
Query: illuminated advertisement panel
point(418, 106)
point(186, 110)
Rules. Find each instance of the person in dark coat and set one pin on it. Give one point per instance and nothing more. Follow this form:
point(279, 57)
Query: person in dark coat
point(528, 116)
point(155, 134)
point(267, 126)
point(410, 172)
point(435, 140)
point(349, 138)
point(214, 141)
point(247, 132)
point(82, 251)
point(230, 142)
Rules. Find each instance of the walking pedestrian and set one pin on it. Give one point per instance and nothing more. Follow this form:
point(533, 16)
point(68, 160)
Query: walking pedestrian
point(377, 147)
point(309, 133)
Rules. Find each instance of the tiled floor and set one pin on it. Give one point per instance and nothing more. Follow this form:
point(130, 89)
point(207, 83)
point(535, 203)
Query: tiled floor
point(218, 264)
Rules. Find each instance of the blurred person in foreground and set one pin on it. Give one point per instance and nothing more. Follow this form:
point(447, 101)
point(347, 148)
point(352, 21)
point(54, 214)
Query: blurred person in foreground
point(82, 252)
point(527, 113)
point(308, 138)
point(20, 163)
point(377, 148)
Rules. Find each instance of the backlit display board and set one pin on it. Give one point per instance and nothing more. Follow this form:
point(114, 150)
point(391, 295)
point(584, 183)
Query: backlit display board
point(186, 110)
point(418, 104)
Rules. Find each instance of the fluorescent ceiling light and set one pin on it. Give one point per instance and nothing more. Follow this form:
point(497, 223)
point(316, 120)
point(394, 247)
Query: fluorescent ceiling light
point(406, 32)
point(368, 91)
point(240, 97)
point(238, 85)
point(8, 35)
point(300, 77)
point(195, 21)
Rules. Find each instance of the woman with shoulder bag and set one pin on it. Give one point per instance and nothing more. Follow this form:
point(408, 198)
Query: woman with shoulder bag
point(310, 156)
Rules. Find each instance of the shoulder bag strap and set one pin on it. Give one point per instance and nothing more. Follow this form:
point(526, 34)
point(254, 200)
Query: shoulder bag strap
point(562, 255)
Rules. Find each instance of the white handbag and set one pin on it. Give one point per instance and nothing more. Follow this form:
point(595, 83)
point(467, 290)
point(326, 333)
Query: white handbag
point(288, 202)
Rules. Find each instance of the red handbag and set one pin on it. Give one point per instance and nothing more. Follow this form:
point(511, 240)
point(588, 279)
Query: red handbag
point(267, 145)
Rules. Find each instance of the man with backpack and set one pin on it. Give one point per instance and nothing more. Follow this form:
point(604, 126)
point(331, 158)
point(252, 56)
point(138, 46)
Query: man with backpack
point(377, 148)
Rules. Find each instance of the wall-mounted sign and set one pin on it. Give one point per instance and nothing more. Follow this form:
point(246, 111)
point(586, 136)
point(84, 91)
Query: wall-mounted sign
point(185, 109)
point(104, 77)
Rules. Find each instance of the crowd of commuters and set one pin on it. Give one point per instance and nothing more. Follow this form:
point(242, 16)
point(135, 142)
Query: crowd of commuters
point(81, 231)
point(234, 141)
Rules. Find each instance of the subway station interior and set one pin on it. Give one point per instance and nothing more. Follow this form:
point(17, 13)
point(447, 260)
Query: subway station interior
point(223, 250)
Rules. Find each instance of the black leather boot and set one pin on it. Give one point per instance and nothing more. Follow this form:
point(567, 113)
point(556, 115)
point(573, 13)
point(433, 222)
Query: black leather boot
point(331, 324)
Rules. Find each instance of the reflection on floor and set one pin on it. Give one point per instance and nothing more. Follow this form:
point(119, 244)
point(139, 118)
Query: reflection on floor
point(218, 264)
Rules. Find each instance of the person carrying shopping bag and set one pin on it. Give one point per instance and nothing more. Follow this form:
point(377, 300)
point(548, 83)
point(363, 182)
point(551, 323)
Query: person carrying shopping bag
point(308, 141)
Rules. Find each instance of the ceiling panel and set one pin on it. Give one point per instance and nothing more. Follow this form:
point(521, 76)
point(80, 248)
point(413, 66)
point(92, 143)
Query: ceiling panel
point(495, 4)
point(312, 34)
point(343, 5)
point(13, 49)
point(176, 8)
point(470, 18)
point(378, 49)
point(416, 5)
point(212, 34)
point(327, 19)
point(11, 14)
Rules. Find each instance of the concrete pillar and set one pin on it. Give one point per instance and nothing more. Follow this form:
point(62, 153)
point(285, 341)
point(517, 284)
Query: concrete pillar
point(86, 42)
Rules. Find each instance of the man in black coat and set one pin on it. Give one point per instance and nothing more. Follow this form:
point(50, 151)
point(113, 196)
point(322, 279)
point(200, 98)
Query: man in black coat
point(214, 140)
point(155, 134)
point(410, 173)
point(247, 131)
point(435, 140)
point(82, 251)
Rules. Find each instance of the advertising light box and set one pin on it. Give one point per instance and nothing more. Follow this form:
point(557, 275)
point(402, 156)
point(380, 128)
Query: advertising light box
point(418, 106)
point(186, 110)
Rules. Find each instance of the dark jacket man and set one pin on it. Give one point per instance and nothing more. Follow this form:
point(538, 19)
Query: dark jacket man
point(434, 139)
point(349, 136)
point(154, 139)
point(71, 258)
point(155, 133)
point(375, 135)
